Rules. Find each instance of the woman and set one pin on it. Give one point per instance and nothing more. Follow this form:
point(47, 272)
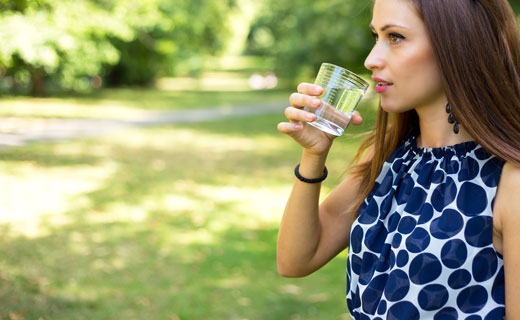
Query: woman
point(429, 212)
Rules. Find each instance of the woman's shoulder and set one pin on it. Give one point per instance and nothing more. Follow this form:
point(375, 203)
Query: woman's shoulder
point(507, 202)
point(510, 179)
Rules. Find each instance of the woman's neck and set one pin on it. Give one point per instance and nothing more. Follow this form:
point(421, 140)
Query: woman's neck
point(436, 131)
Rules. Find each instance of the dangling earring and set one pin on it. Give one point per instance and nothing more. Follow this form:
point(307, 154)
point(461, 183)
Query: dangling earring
point(451, 119)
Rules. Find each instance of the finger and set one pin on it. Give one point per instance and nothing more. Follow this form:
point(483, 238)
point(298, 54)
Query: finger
point(356, 118)
point(289, 127)
point(303, 100)
point(310, 89)
point(296, 114)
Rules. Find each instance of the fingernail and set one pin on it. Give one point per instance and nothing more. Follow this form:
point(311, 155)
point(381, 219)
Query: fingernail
point(318, 90)
point(309, 117)
point(316, 102)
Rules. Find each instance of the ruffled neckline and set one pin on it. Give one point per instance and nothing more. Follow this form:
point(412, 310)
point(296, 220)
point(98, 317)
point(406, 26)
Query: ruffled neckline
point(459, 149)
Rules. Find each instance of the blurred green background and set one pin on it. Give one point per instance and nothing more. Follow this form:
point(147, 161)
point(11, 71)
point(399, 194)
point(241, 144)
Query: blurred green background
point(177, 221)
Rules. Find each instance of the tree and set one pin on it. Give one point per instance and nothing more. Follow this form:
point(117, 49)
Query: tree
point(65, 44)
point(300, 34)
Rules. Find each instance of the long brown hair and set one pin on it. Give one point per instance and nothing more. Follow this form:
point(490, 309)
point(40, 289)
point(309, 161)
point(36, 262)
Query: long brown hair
point(477, 47)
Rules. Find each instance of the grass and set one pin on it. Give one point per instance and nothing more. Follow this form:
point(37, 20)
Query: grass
point(173, 222)
point(215, 89)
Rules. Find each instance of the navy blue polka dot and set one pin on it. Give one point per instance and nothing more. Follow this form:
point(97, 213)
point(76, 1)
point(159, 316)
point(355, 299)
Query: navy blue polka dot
point(356, 264)
point(371, 194)
point(415, 201)
point(396, 241)
point(355, 239)
point(404, 189)
point(453, 167)
point(498, 313)
point(350, 306)
point(397, 286)
point(418, 241)
point(444, 194)
point(498, 290)
point(406, 225)
point(356, 301)
point(448, 313)
point(393, 222)
point(447, 225)
point(391, 259)
point(402, 258)
point(472, 299)
point(433, 297)
point(375, 237)
point(438, 177)
point(372, 294)
point(490, 173)
point(459, 279)
point(397, 165)
point(386, 206)
point(426, 213)
point(485, 265)
point(403, 310)
point(385, 185)
point(363, 317)
point(384, 264)
point(369, 214)
point(469, 169)
point(425, 268)
point(472, 199)
point(479, 231)
point(368, 266)
point(454, 253)
point(394, 155)
point(474, 317)
point(382, 307)
point(426, 173)
point(482, 154)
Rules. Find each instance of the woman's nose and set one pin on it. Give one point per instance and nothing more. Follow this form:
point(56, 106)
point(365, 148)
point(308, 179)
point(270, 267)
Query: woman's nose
point(375, 59)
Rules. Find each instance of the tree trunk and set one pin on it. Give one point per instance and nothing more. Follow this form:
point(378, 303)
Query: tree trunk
point(38, 82)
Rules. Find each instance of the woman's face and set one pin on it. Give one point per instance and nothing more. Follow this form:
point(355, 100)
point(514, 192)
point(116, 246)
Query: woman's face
point(402, 61)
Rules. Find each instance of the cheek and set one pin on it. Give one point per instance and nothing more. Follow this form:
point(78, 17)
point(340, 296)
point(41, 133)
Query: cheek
point(421, 76)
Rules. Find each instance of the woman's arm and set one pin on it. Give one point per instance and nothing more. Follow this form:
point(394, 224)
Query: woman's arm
point(507, 207)
point(310, 234)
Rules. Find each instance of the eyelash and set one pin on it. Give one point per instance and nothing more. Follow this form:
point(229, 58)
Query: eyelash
point(392, 36)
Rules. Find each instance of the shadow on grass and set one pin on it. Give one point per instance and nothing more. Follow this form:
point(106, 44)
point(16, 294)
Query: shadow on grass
point(141, 271)
point(204, 256)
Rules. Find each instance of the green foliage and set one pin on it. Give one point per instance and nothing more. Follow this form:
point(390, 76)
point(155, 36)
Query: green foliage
point(70, 42)
point(303, 33)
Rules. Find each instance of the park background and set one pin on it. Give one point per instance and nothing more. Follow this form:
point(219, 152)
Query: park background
point(175, 219)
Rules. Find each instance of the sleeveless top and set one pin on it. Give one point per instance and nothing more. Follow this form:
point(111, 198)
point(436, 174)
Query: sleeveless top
point(422, 245)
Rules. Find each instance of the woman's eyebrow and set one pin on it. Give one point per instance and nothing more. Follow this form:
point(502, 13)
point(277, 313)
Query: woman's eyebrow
point(388, 26)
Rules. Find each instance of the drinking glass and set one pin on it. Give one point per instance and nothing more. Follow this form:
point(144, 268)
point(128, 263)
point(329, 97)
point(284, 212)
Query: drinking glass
point(342, 91)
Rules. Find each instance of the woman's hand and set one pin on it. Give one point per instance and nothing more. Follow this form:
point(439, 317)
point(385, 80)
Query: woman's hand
point(309, 137)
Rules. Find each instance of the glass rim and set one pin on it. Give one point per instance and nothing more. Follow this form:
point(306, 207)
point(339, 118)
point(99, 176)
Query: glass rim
point(362, 82)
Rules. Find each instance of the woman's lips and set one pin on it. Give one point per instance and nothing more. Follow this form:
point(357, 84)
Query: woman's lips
point(380, 88)
point(381, 84)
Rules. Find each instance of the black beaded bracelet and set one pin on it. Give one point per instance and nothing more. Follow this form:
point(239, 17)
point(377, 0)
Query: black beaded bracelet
point(317, 180)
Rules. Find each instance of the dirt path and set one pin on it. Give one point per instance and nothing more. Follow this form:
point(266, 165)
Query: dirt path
point(19, 132)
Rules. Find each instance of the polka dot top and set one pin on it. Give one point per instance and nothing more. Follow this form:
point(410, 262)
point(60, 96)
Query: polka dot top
point(422, 245)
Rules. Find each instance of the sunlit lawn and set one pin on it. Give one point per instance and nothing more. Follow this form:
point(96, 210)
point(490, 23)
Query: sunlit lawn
point(217, 89)
point(176, 222)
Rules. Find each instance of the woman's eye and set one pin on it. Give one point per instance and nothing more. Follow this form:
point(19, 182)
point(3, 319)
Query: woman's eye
point(395, 38)
point(376, 37)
